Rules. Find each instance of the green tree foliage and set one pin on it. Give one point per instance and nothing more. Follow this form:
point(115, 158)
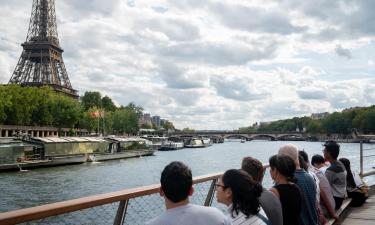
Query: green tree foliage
point(125, 121)
point(32, 106)
point(108, 104)
point(91, 99)
point(188, 130)
point(337, 123)
point(168, 126)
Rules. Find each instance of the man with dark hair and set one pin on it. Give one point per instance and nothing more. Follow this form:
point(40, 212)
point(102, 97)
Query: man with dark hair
point(268, 200)
point(335, 173)
point(176, 187)
point(318, 162)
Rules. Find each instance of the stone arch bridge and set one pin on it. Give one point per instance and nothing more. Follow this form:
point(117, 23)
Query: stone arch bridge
point(293, 136)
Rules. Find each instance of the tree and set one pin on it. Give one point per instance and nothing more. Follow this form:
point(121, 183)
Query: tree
point(91, 99)
point(66, 111)
point(168, 126)
point(314, 126)
point(108, 104)
point(188, 130)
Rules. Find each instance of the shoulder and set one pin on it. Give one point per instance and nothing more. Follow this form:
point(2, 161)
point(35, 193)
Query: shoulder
point(159, 220)
point(336, 167)
point(207, 211)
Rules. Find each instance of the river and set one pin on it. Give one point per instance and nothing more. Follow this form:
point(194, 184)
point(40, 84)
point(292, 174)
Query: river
point(47, 185)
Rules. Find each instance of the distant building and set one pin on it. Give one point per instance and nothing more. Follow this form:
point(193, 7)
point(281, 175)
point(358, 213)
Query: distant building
point(156, 121)
point(319, 115)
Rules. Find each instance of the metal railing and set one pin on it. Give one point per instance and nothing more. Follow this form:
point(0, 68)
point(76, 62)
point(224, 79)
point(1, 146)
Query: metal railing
point(366, 154)
point(131, 206)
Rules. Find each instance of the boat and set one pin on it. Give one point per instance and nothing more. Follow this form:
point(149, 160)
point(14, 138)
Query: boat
point(171, 145)
point(155, 141)
point(198, 143)
point(121, 148)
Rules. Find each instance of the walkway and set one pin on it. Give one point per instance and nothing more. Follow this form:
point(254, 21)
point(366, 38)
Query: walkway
point(364, 215)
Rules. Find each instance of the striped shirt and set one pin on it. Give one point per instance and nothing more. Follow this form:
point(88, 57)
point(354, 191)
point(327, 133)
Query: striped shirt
point(241, 219)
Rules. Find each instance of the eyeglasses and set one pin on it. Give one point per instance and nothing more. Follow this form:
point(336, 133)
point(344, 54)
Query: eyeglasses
point(219, 185)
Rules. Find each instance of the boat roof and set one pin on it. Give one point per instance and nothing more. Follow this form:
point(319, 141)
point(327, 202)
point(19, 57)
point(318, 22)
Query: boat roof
point(67, 139)
point(123, 139)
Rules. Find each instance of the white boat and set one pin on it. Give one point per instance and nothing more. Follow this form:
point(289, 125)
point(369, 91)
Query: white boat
point(198, 143)
point(171, 145)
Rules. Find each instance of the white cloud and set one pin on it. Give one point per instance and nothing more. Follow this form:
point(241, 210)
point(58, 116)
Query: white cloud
point(211, 64)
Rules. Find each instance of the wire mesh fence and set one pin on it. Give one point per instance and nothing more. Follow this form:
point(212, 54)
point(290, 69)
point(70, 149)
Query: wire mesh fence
point(138, 210)
point(99, 215)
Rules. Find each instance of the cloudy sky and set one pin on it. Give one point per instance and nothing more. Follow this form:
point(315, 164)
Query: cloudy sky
point(211, 64)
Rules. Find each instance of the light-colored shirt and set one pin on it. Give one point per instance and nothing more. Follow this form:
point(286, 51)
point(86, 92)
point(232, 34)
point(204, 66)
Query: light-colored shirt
point(272, 207)
point(241, 219)
point(191, 214)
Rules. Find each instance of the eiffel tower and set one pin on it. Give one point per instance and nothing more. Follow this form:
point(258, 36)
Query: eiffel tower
point(41, 61)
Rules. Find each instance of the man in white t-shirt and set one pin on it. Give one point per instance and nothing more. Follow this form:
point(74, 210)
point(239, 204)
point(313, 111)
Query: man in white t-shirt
point(176, 187)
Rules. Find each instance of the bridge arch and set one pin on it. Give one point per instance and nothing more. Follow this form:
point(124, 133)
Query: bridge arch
point(240, 136)
point(270, 136)
point(291, 136)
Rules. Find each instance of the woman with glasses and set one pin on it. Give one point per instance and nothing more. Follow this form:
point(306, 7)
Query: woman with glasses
point(282, 172)
point(237, 190)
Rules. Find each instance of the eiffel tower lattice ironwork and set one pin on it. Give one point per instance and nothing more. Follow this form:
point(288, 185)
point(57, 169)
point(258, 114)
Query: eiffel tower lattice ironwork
point(41, 61)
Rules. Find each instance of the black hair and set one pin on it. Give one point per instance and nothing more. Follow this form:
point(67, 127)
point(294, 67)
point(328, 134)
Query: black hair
point(302, 163)
point(332, 148)
point(176, 181)
point(285, 165)
point(245, 192)
point(304, 155)
point(317, 159)
point(349, 175)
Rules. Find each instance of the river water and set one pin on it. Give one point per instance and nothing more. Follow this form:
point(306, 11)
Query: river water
point(47, 185)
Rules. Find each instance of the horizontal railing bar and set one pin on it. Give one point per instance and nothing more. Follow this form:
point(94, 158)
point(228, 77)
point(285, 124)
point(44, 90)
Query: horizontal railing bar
point(369, 173)
point(53, 209)
point(368, 156)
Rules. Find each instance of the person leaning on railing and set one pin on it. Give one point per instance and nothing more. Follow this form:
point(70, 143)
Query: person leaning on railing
point(307, 186)
point(357, 189)
point(237, 190)
point(268, 200)
point(336, 172)
point(176, 187)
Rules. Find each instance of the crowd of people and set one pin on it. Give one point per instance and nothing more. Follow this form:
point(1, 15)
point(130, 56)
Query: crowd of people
point(303, 193)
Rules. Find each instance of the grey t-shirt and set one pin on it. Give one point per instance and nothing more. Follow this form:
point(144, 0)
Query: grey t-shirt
point(191, 214)
point(272, 207)
point(336, 176)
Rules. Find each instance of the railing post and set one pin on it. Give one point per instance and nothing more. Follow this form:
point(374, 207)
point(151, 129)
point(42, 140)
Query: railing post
point(210, 193)
point(361, 158)
point(121, 212)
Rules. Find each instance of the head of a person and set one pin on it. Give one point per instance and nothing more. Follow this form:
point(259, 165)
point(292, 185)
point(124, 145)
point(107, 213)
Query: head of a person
point(254, 168)
point(176, 182)
point(304, 155)
point(317, 161)
point(282, 166)
point(291, 151)
point(302, 163)
point(349, 175)
point(238, 189)
point(331, 150)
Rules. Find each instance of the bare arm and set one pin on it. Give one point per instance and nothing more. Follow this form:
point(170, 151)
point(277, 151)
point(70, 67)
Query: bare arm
point(326, 203)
